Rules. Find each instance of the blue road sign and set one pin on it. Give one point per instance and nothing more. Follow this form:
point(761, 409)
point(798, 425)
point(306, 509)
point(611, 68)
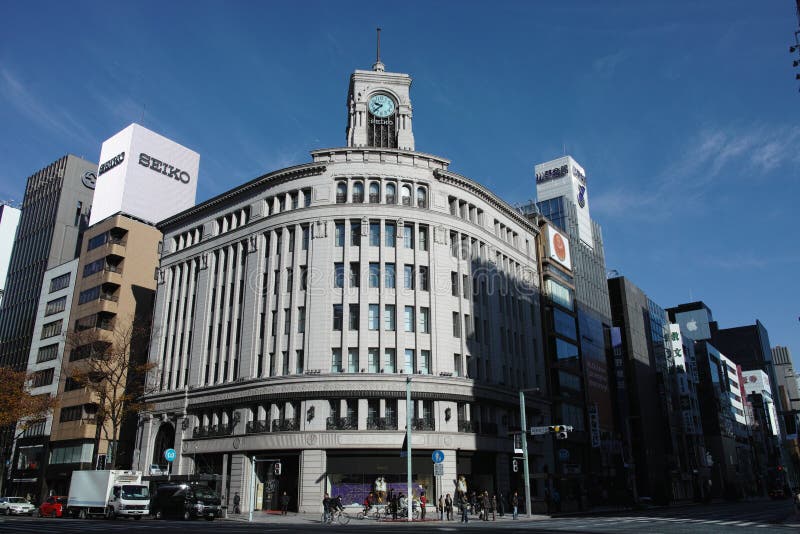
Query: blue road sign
point(438, 457)
point(170, 455)
point(563, 455)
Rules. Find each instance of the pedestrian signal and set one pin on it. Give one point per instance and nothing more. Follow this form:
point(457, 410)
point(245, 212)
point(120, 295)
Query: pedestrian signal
point(277, 468)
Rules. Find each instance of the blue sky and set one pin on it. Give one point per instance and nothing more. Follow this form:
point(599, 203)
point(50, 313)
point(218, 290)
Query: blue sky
point(684, 114)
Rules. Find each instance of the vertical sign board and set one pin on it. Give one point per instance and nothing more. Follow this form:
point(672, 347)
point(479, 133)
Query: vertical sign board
point(144, 174)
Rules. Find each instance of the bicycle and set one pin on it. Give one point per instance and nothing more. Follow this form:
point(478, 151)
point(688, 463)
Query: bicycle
point(337, 515)
point(402, 513)
point(375, 512)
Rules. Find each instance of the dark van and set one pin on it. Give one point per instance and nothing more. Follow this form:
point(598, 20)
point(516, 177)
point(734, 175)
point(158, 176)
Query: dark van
point(187, 502)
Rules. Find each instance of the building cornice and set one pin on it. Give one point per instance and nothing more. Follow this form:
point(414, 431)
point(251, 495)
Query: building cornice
point(267, 180)
point(490, 198)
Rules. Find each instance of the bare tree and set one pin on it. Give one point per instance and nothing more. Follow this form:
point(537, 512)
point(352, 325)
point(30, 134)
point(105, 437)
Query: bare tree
point(112, 365)
point(19, 409)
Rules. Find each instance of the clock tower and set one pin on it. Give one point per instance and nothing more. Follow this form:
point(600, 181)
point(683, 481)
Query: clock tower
point(379, 108)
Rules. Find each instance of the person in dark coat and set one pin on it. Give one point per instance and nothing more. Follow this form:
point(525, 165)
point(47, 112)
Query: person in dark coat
point(448, 507)
point(236, 501)
point(463, 505)
point(494, 507)
point(486, 503)
point(284, 504)
point(515, 504)
point(501, 504)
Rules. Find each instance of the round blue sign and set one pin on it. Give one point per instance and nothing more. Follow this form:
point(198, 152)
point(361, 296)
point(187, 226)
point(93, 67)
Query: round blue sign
point(438, 457)
point(563, 455)
point(170, 455)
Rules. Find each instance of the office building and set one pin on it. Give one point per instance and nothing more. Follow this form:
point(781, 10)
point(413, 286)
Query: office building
point(292, 310)
point(9, 219)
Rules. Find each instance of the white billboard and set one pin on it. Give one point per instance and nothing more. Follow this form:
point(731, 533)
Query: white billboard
point(563, 177)
point(144, 174)
point(558, 247)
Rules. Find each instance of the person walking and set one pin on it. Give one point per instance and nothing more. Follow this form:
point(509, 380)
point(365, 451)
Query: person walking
point(515, 505)
point(423, 504)
point(448, 507)
point(494, 507)
point(326, 508)
point(440, 507)
point(486, 503)
point(395, 503)
point(236, 501)
point(464, 504)
point(284, 504)
point(501, 503)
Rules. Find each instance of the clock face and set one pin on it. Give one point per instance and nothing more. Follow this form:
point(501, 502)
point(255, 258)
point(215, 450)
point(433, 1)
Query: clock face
point(381, 106)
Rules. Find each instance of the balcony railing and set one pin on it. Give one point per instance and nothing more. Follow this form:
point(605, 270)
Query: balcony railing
point(422, 424)
point(286, 425)
point(212, 431)
point(374, 198)
point(391, 199)
point(466, 426)
point(422, 203)
point(358, 198)
point(341, 199)
point(257, 427)
point(382, 423)
point(112, 268)
point(342, 423)
point(106, 296)
point(116, 241)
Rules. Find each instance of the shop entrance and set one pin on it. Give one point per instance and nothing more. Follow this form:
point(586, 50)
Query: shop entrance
point(270, 485)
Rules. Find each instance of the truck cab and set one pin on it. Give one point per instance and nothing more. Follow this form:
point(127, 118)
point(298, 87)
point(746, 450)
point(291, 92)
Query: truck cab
point(128, 500)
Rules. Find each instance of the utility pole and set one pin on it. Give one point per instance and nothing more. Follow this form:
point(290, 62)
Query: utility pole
point(525, 467)
point(409, 500)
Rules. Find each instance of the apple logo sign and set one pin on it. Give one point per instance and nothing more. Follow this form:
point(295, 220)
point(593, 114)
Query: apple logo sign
point(692, 325)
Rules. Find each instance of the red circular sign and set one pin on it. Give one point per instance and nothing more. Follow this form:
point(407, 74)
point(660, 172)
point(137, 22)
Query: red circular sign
point(560, 248)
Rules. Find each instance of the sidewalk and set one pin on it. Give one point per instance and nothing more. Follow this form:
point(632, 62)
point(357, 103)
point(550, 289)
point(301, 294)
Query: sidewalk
point(305, 518)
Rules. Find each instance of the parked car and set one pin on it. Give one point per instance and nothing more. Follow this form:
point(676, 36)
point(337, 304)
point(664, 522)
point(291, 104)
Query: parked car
point(53, 506)
point(16, 505)
point(186, 502)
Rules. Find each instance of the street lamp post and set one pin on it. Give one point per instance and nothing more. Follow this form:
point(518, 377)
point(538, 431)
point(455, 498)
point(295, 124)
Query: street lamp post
point(525, 467)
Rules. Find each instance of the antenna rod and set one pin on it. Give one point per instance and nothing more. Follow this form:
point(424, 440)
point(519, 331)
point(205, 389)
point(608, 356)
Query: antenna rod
point(378, 56)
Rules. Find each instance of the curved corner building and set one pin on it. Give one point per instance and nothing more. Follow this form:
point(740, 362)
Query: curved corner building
point(291, 310)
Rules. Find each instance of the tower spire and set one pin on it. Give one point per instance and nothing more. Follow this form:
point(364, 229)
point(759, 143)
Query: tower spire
point(378, 66)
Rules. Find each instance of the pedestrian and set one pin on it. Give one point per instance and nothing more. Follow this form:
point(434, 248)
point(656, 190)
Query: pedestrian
point(236, 501)
point(284, 504)
point(494, 507)
point(501, 503)
point(473, 501)
point(326, 505)
point(463, 504)
point(515, 505)
point(556, 500)
point(394, 507)
point(440, 507)
point(448, 507)
point(485, 503)
point(423, 502)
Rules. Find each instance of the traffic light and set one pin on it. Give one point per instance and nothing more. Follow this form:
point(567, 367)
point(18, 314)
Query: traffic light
point(277, 468)
point(560, 431)
point(514, 465)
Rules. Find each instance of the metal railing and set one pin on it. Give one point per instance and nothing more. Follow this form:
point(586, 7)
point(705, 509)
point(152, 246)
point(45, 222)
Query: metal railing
point(341, 423)
point(341, 199)
point(466, 426)
point(212, 431)
point(382, 423)
point(422, 424)
point(257, 427)
point(286, 425)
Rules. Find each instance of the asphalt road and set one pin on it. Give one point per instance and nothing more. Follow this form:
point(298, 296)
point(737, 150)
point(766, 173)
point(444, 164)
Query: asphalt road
point(744, 518)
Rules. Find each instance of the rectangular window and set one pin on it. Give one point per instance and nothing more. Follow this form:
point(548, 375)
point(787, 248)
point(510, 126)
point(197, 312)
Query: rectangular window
point(374, 319)
point(89, 295)
point(465, 286)
point(97, 241)
point(291, 240)
point(374, 274)
point(564, 324)
point(424, 283)
point(425, 362)
point(408, 362)
point(425, 320)
point(389, 276)
point(565, 350)
point(338, 275)
point(289, 280)
point(42, 378)
point(337, 317)
point(408, 236)
point(423, 238)
point(303, 277)
point(389, 319)
point(389, 361)
point(94, 267)
point(51, 329)
point(409, 318)
point(339, 233)
point(374, 234)
point(59, 282)
point(355, 275)
point(454, 283)
point(55, 306)
point(352, 361)
point(391, 235)
point(355, 233)
point(373, 360)
point(287, 320)
point(454, 244)
point(47, 353)
point(336, 361)
point(458, 368)
point(301, 320)
point(277, 282)
point(71, 413)
point(456, 324)
point(408, 278)
point(305, 237)
point(353, 317)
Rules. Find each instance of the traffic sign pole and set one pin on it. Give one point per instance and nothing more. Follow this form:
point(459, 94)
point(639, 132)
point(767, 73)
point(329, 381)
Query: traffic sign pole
point(523, 424)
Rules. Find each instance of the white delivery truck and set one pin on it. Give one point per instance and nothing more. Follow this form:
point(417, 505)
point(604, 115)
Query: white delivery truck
point(108, 493)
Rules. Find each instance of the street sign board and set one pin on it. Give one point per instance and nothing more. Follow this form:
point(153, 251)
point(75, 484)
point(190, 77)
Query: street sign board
point(563, 455)
point(437, 456)
point(438, 469)
point(170, 454)
point(539, 430)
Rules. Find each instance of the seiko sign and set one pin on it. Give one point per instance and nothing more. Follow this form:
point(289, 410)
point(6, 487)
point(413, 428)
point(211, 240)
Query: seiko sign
point(110, 164)
point(164, 168)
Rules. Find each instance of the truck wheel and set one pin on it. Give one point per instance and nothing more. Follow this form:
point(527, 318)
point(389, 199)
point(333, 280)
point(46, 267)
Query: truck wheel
point(82, 513)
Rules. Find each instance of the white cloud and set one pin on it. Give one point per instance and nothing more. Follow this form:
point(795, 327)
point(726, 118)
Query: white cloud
point(606, 65)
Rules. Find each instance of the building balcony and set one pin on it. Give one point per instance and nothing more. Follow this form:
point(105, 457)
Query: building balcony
point(286, 425)
point(358, 199)
point(374, 199)
point(341, 199)
point(212, 431)
point(466, 426)
point(257, 427)
point(341, 423)
point(423, 424)
point(382, 423)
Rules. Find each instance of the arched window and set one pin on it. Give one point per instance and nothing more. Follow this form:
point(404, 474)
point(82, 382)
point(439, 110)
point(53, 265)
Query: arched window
point(374, 193)
point(341, 193)
point(405, 195)
point(358, 192)
point(391, 194)
point(422, 197)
